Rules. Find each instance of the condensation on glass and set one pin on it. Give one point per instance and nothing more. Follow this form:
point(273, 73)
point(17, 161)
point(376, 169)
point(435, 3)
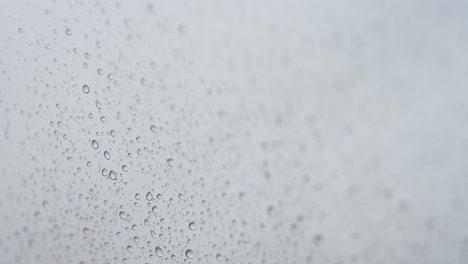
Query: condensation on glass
point(241, 131)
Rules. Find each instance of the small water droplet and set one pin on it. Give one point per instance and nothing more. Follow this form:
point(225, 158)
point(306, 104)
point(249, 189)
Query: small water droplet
point(112, 175)
point(189, 253)
point(149, 196)
point(170, 162)
point(193, 226)
point(95, 144)
point(68, 32)
point(137, 196)
point(20, 30)
point(129, 248)
point(107, 155)
point(86, 89)
point(98, 104)
point(122, 215)
point(154, 129)
point(158, 251)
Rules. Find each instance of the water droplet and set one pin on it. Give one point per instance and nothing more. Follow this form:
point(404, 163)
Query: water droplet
point(129, 248)
point(95, 144)
point(100, 71)
point(125, 168)
point(189, 253)
point(170, 162)
point(98, 104)
point(107, 155)
point(153, 234)
point(86, 89)
point(86, 230)
point(68, 32)
point(158, 251)
point(149, 196)
point(122, 215)
point(154, 129)
point(112, 175)
point(20, 30)
point(193, 226)
point(137, 196)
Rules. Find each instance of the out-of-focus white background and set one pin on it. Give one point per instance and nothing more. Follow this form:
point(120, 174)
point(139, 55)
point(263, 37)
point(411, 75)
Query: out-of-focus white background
point(242, 131)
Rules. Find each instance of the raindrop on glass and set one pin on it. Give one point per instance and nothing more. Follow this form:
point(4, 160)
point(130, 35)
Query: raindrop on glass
point(158, 251)
point(149, 196)
point(189, 253)
point(122, 215)
point(193, 226)
point(86, 89)
point(170, 162)
point(112, 175)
